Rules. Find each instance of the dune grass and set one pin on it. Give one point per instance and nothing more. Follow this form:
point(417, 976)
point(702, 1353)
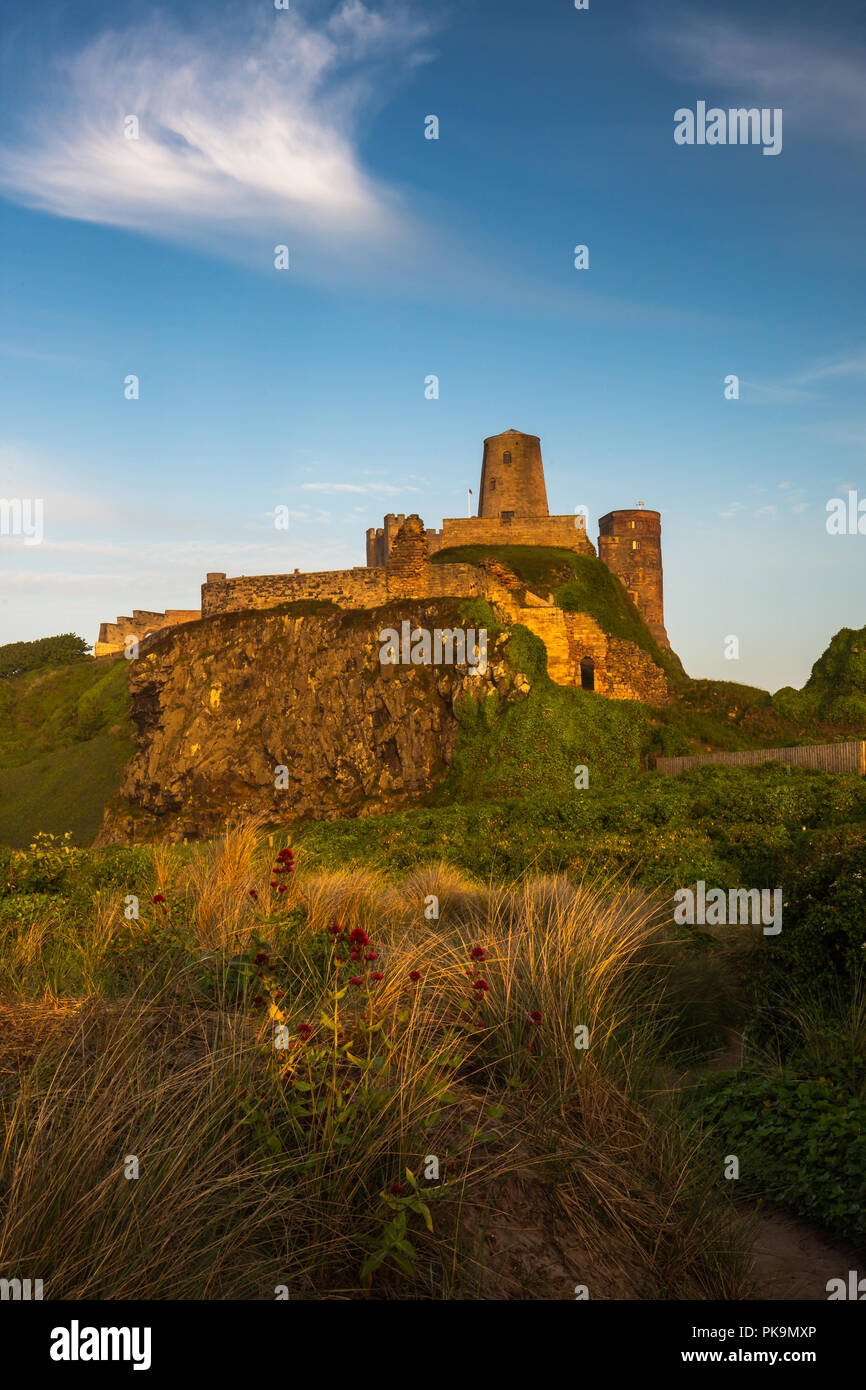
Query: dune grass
point(352, 1087)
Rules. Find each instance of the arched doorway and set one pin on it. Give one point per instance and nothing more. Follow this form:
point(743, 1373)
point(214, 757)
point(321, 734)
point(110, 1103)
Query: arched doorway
point(587, 673)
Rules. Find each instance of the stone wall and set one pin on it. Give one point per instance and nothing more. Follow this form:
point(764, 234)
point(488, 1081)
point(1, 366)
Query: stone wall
point(141, 624)
point(354, 588)
point(564, 532)
point(620, 669)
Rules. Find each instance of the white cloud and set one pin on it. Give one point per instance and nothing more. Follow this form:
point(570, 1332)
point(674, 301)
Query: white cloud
point(816, 80)
point(248, 135)
point(846, 367)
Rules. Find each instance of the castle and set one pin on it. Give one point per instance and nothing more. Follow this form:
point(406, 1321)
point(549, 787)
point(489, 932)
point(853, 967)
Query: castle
point(512, 510)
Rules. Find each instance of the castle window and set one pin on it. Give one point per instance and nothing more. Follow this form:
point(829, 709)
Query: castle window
point(506, 458)
point(492, 484)
point(635, 545)
point(587, 673)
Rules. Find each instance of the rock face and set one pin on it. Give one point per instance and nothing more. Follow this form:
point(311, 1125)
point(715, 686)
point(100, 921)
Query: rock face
point(219, 708)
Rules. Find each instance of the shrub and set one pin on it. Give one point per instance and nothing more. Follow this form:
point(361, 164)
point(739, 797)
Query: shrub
point(801, 1142)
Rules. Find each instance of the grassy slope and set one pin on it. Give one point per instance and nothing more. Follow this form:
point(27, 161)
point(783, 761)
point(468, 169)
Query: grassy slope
point(704, 715)
point(64, 739)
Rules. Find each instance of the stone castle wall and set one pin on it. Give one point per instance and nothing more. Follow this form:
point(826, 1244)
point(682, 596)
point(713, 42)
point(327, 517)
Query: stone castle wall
point(141, 624)
point(512, 511)
point(563, 532)
point(354, 588)
point(620, 669)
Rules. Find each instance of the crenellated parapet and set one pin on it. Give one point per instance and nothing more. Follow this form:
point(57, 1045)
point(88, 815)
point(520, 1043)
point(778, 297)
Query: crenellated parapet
point(142, 624)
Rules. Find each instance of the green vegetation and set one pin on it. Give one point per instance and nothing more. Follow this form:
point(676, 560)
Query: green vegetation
point(706, 715)
point(726, 825)
point(800, 1141)
point(64, 740)
point(19, 657)
point(836, 689)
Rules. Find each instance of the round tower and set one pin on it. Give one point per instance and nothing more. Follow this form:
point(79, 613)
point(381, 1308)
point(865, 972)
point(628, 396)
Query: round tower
point(630, 544)
point(512, 476)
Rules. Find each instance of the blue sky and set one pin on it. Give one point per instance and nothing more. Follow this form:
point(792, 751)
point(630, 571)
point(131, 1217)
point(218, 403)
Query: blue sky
point(410, 257)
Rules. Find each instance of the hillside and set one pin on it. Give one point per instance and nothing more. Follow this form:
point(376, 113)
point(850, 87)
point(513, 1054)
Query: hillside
point(64, 741)
point(194, 730)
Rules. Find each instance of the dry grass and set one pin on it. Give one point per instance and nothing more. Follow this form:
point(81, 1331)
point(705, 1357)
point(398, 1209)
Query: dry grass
point(260, 1167)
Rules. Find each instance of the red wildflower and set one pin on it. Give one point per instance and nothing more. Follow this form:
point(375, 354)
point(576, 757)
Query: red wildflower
point(535, 1016)
point(283, 888)
point(377, 975)
point(481, 985)
point(285, 854)
point(356, 980)
point(359, 937)
point(253, 893)
point(304, 1031)
point(396, 1189)
point(414, 974)
point(261, 958)
point(335, 929)
point(477, 953)
point(275, 885)
point(159, 897)
point(258, 1000)
point(356, 955)
point(371, 955)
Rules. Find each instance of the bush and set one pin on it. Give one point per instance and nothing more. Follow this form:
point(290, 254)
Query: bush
point(821, 948)
point(17, 657)
point(801, 1142)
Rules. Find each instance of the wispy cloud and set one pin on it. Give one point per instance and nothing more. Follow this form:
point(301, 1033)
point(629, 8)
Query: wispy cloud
point(248, 135)
point(846, 367)
point(816, 80)
point(803, 385)
point(357, 487)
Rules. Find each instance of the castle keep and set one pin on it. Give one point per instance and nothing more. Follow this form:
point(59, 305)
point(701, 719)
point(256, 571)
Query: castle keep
point(512, 507)
point(512, 510)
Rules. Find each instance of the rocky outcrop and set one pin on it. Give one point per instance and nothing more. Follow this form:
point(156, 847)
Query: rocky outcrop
point(290, 712)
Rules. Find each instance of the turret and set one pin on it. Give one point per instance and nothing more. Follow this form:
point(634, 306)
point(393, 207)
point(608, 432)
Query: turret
point(630, 544)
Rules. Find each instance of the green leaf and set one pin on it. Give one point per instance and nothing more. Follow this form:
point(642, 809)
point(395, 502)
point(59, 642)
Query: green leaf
point(423, 1210)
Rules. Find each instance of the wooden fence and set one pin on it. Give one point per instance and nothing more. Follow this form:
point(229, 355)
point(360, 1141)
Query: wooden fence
point(826, 757)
